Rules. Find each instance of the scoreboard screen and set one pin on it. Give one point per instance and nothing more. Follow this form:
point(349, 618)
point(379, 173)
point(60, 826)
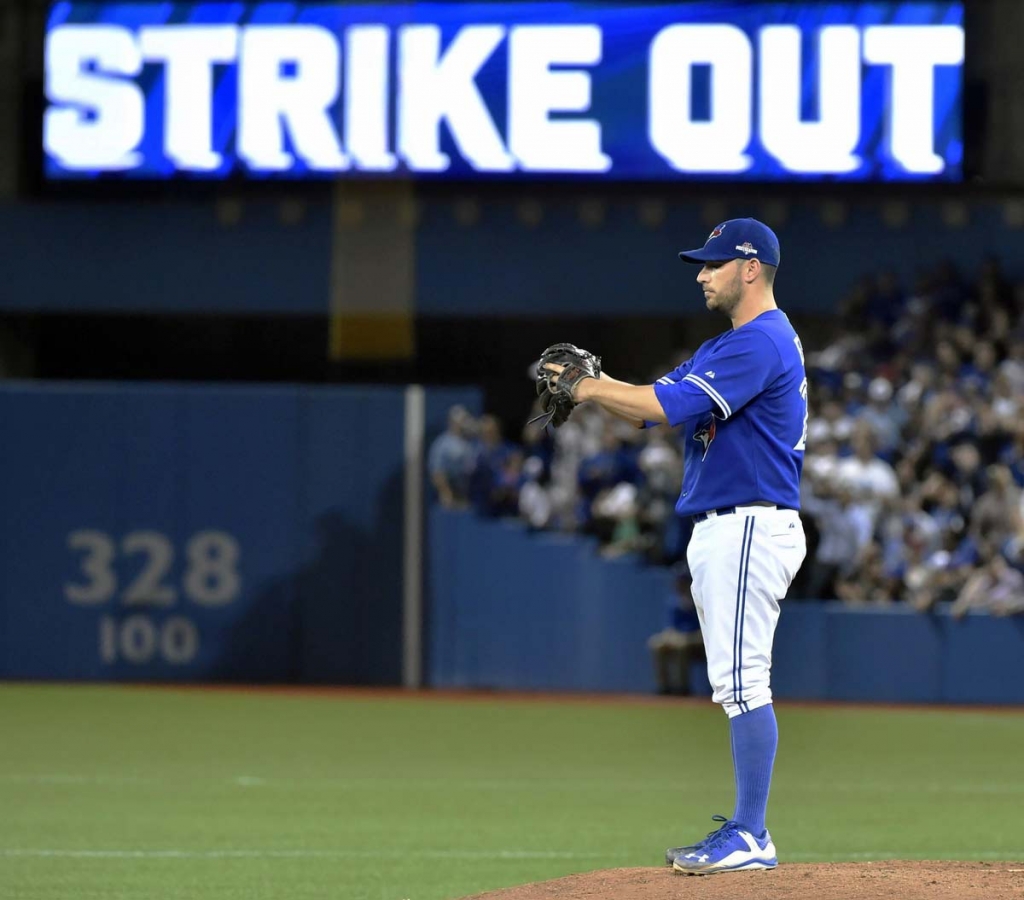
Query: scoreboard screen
point(720, 91)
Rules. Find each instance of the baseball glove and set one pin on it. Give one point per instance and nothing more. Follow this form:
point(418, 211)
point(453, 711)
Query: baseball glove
point(556, 389)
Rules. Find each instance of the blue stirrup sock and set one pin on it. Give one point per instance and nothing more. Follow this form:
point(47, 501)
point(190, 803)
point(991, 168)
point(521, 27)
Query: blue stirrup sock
point(755, 737)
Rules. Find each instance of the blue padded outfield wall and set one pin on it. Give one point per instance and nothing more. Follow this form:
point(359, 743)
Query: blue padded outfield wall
point(520, 611)
point(204, 533)
point(196, 533)
point(510, 609)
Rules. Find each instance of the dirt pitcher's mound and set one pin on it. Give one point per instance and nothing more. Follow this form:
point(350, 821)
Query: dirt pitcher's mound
point(892, 880)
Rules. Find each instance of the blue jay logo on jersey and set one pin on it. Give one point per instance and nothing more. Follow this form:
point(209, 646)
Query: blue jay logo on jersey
point(705, 434)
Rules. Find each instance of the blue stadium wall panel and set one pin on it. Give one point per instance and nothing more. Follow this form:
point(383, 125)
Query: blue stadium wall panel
point(520, 611)
point(204, 533)
point(511, 610)
point(968, 675)
point(172, 258)
point(260, 256)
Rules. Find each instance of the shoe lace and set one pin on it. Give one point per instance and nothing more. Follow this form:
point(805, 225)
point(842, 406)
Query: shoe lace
point(720, 834)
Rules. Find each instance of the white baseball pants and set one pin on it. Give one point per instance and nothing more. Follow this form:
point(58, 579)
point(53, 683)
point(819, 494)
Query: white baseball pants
point(742, 565)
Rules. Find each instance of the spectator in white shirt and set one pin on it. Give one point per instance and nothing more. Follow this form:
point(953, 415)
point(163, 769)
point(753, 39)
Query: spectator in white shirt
point(869, 479)
point(884, 417)
point(450, 459)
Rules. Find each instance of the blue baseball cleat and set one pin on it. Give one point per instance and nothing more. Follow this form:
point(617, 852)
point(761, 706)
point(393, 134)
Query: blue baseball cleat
point(673, 852)
point(729, 849)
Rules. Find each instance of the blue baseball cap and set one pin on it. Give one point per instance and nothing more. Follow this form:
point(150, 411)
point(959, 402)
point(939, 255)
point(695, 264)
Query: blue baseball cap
point(737, 239)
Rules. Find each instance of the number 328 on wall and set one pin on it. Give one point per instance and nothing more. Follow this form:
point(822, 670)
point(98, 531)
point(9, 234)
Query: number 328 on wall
point(210, 577)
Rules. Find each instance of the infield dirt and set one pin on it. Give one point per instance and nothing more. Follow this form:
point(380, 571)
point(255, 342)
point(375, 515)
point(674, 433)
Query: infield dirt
point(892, 880)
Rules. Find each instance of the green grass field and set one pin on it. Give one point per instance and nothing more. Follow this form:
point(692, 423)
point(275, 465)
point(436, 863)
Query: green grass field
point(116, 793)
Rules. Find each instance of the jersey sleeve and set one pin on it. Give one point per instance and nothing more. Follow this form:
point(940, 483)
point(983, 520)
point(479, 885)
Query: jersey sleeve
point(673, 377)
point(737, 370)
point(677, 374)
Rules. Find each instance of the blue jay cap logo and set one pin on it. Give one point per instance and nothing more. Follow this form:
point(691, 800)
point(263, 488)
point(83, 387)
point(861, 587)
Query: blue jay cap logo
point(737, 239)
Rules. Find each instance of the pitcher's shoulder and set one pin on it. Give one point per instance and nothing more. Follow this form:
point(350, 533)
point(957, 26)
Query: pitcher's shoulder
point(776, 327)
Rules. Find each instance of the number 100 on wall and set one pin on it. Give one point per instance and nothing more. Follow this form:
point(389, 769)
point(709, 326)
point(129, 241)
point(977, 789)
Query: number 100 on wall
point(144, 570)
point(141, 639)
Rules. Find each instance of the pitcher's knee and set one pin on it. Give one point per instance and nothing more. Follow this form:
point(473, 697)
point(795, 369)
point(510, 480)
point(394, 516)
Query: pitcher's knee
point(736, 699)
point(733, 709)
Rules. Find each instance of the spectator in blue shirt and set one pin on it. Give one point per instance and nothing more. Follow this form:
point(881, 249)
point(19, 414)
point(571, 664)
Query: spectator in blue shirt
point(613, 464)
point(495, 482)
point(679, 643)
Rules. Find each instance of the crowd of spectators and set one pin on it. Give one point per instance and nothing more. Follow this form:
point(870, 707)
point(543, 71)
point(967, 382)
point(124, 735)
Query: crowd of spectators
point(913, 475)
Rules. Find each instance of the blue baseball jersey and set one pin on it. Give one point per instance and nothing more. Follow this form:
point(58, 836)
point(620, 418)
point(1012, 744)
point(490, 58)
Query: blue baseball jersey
point(743, 401)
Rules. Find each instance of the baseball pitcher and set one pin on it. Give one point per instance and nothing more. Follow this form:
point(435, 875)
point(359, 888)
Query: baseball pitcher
point(742, 400)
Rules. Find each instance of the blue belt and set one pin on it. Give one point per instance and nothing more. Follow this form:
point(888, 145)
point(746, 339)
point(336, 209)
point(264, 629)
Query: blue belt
point(721, 511)
point(729, 510)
